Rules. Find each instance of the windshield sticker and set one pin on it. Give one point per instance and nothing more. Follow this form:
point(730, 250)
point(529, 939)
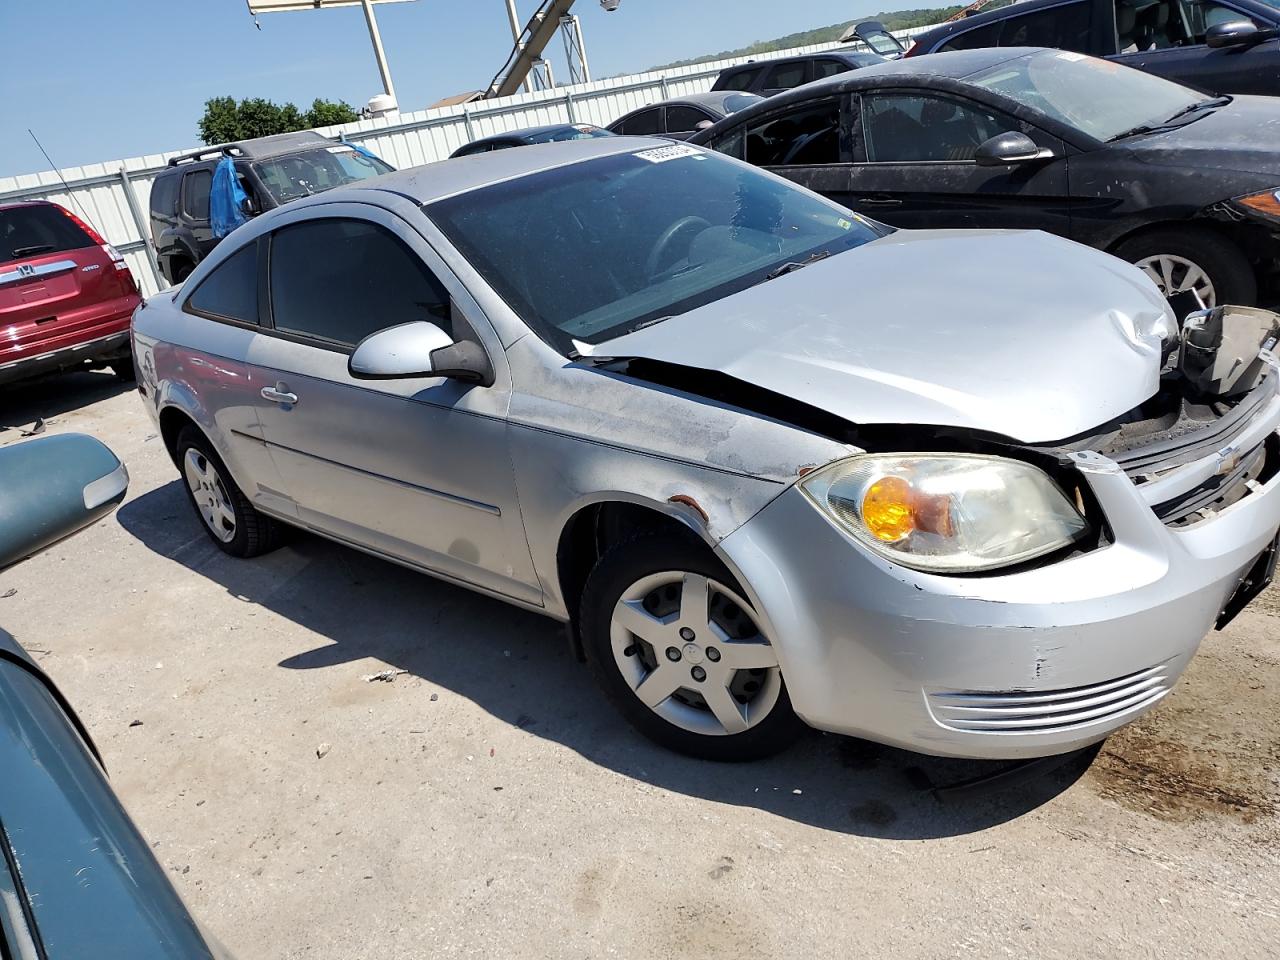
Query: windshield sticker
point(340, 149)
point(673, 152)
point(1071, 57)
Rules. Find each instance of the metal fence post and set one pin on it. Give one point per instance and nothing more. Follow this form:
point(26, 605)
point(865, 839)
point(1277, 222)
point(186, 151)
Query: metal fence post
point(662, 84)
point(131, 198)
point(466, 122)
point(568, 106)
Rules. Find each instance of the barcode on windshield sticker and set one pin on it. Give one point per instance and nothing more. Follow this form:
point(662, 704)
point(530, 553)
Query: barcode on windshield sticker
point(663, 154)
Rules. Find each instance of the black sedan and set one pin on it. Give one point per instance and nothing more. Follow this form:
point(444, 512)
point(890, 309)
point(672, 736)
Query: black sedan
point(1219, 46)
point(679, 117)
point(1184, 185)
point(530, 135)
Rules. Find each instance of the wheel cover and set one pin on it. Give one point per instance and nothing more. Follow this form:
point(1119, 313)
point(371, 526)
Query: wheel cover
point(210, 495)
point(1175, 275)
point(693, 652)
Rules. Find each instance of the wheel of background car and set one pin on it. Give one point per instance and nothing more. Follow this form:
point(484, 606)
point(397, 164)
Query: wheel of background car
point(225, 512)
point(658, 250)
point(1193, 268)
point(681, 654)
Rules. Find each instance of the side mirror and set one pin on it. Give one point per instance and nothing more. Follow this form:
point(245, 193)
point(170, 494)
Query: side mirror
point(419, 349)
point(1236, 33)
point(249, 207)
point(704, 125)
point(1009, 148)
point(52, 487)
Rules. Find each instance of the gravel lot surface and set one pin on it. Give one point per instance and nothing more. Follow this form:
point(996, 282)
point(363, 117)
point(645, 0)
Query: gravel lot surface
point(487, 802)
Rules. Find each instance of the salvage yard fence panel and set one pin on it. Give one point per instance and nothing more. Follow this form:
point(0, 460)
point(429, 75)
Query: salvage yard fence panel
point(115, 196)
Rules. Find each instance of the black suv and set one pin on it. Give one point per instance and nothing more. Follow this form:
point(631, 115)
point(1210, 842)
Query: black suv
point(768, 77)
point(1220, 46)
point(271, 171)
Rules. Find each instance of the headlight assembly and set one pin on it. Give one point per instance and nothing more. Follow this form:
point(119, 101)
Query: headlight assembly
point(1267, 203)
point(947, 513)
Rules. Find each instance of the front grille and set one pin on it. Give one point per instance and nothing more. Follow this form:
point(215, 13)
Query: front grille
point(1050, 711)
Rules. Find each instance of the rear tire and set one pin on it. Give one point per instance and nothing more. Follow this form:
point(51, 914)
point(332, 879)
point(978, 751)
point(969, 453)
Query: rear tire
point(1173, 256)
point(225, 512)
point(679, 652)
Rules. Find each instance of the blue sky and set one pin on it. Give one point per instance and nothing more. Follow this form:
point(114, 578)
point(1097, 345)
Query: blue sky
point(106, 79)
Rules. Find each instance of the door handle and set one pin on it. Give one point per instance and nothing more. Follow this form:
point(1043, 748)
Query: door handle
point(879, 201)
point(277, 395)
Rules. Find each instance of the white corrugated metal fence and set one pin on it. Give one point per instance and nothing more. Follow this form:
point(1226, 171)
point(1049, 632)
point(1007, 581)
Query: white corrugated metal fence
point(114, 196)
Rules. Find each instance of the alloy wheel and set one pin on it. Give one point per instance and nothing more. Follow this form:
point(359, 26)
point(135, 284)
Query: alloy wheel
point(210, 495)
point(693, 652)
point(1177, 275)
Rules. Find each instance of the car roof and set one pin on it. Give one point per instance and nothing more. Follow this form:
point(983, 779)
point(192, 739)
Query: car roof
point(261, 148)
point(712, 98)
point(528, 132)
point(848, 54)
point(446, 178)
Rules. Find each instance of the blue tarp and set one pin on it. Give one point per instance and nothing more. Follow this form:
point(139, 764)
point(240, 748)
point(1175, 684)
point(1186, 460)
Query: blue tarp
point(225, 196)
point(363, 151)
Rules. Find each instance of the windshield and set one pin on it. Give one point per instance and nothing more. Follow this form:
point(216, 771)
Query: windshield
point(302, 174)
point(740, 101)
point(596, 249)
point(1096, 97)
point(581, 131)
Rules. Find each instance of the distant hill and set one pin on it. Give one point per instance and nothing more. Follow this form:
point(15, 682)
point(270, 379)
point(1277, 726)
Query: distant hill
point(897, 20)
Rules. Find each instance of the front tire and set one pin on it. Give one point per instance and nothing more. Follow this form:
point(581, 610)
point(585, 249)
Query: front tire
point(225, 512)
point(681, 654)
point(1194, 269)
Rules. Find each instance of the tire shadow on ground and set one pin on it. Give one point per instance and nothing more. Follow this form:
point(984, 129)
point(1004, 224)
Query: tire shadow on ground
point(518, 666)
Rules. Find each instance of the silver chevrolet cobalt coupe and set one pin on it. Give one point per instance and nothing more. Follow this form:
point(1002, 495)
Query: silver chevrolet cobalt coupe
point(969, 493)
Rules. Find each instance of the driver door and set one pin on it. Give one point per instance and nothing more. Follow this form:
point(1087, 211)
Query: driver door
point(915, 167)
point(415, 469)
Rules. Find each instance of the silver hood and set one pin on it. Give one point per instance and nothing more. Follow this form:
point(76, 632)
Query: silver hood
point(1017, 333)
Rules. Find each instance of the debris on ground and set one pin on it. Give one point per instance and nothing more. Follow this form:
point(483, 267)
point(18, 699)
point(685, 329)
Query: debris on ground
point(386, 676)
point(135, 723)
point(435, 697)
point(322, 750)
point(35, 429)
point(8, 593)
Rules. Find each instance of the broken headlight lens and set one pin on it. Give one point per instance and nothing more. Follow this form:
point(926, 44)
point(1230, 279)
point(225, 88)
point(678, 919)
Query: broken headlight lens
point(947, 513)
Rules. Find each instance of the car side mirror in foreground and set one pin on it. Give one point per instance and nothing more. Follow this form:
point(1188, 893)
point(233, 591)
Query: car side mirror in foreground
point(419, 349)
point(704, 125)
point(51, 487)
point(1237, 33)
point(1008, 148)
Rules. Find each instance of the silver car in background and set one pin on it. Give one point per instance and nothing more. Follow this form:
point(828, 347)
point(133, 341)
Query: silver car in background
point(961, 492)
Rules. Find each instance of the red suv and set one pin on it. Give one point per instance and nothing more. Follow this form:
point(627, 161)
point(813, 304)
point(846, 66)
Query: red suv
point(66, 295)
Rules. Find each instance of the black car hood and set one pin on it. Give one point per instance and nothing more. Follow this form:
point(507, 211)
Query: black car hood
point(1243, 136)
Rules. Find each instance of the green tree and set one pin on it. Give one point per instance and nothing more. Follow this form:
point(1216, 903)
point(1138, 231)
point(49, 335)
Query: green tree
point(226, 119)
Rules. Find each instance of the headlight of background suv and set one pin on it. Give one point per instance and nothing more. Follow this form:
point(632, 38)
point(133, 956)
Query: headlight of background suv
point(950, 513)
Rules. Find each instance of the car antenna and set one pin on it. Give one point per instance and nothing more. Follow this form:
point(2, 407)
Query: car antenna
point(58, 171)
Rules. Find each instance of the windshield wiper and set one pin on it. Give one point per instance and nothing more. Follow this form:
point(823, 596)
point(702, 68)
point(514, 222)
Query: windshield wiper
point(791, 266)
point(1191, 108)
point(29, 250)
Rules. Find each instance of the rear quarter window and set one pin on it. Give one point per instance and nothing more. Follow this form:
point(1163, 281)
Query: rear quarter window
point(738, 79)
point(230, 291)
point(164, 196)
point(36, 230)
point(195, 193)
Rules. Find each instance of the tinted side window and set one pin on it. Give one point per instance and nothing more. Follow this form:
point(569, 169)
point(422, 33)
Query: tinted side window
point(904, 128)
point(1065, 27)
point(231, 289)
point(644, 123)
point(988, 36)
point(195, 193)
point(1203, 14)
point(741, 80)
point(810, 134)
point(164, 196)
point(680, 119)
point(787, 75)
point(828, 68)
point(341, 280)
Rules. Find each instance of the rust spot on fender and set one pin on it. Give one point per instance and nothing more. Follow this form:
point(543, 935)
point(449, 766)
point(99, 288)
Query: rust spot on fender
point(688, 501)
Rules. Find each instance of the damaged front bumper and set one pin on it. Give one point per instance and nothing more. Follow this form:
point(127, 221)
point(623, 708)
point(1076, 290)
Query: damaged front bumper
point(1030, 663)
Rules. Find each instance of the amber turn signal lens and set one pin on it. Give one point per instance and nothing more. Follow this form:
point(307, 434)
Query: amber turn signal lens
point(1267, 202)
point(892, 509)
